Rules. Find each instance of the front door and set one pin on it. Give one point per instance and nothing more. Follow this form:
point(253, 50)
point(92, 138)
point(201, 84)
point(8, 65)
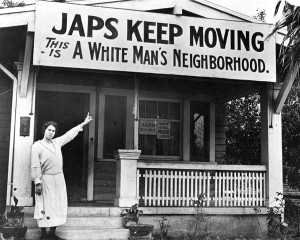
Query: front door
point(68, 110)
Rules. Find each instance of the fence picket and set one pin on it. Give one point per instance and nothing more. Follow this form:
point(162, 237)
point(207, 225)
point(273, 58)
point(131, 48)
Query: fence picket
point(175, 193)
point(216, 189)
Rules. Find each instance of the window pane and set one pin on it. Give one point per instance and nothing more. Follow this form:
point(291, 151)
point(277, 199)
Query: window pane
point(147, 144)
point(163, 110)
point(199, 120)
point(142, 109)
point(151, 109)
point(175, 111)
point(170, 147)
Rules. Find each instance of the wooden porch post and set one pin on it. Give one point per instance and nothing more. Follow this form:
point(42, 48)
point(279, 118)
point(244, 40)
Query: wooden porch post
point(271, 143)
point(22, 145)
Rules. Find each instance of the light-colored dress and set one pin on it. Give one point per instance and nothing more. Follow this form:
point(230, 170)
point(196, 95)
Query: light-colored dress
point(47, 169)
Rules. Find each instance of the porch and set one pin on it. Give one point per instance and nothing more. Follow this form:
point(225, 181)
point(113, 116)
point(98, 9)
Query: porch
point(180, 184)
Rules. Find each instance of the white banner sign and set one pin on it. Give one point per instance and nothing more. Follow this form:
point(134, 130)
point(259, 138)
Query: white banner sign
point(73, 36)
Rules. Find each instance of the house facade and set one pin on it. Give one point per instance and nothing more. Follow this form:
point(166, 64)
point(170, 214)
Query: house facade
point(155, 76)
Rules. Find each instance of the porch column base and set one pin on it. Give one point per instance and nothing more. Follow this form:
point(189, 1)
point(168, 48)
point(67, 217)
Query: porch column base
point(125, 202)
point(126, 178)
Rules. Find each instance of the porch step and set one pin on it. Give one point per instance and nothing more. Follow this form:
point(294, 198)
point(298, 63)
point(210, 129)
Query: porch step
point(84, 223)
point(75, 234)
point(89, 223)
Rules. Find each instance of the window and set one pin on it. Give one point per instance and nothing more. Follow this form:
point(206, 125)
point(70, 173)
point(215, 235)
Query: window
point(199, 132)
point(159, 129)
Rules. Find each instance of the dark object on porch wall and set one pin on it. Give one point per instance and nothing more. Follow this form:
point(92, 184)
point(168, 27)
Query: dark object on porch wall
point(131, 215)
point(137, 231)
point(12, 223)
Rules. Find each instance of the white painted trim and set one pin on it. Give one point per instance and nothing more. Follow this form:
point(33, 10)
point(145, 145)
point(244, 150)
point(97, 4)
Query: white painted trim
point(91, 90)
point(26, 64)
point(208, 210)
point(18, 16)
point(201, 166)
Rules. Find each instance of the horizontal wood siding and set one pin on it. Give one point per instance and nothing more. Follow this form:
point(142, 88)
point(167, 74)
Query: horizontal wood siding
point(5, 116)
point(105, 181)
point(220, 133)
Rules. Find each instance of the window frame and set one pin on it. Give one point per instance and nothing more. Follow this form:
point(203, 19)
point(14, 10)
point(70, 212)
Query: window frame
point(180, 120)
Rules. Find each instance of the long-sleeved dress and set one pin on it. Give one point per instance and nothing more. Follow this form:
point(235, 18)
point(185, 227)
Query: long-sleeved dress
point(47, 169)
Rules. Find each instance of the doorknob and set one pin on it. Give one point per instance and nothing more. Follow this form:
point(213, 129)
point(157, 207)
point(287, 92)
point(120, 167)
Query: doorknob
point(91, 139)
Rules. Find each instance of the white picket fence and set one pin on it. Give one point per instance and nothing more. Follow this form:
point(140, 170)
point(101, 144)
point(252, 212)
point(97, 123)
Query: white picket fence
point(179, 185)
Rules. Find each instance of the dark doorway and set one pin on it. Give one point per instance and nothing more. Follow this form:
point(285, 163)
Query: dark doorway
point(200, 127)
point(68, 110)
point(114, 124)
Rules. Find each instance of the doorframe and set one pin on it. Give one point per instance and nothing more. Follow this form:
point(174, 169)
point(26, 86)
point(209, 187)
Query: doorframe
point(92, 93)
point(129, 118)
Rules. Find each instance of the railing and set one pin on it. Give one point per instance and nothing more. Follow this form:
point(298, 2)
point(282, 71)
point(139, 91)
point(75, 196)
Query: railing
point(179, 184)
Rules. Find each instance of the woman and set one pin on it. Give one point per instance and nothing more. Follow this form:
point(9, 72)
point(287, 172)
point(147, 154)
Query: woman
point(47, 174)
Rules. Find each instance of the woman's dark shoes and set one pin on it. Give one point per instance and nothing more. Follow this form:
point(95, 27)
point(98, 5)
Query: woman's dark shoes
point(44, 236)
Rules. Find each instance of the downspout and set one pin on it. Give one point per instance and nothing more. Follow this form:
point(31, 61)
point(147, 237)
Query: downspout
point(12, 133)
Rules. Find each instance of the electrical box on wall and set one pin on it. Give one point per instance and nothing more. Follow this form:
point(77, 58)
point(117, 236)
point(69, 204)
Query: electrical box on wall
point(24, 126)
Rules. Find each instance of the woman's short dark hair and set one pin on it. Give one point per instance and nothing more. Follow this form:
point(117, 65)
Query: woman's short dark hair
point(47, 124)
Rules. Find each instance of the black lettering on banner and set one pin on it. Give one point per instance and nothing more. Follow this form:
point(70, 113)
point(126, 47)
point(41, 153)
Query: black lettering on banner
point(57, 53)
point(213, 38)
point(253, 65)
point(221, 63)
point(77, 51)
point(229, 62)
point(245, 64)
point(196, 61)
point(77, 26)
point(133, 29)
point(175, 31)
point(161, 32)
point(212, 61)
point(232, 39)
point(237, 64)
point(105, 53)
point(176, 57)
point(91, 27)
point(245, 39)
point(63, 25)
point(164, 62)
point(94, 50)
point(261, 66)
point(111, 28)
point(148, 31)
point(222, 39)
point(124, 55)
point(149, 57)
point(184, 60)
point(204, 60)
point(196, 36)
point(258, 46)
point(49, 41)
point(137, 54)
